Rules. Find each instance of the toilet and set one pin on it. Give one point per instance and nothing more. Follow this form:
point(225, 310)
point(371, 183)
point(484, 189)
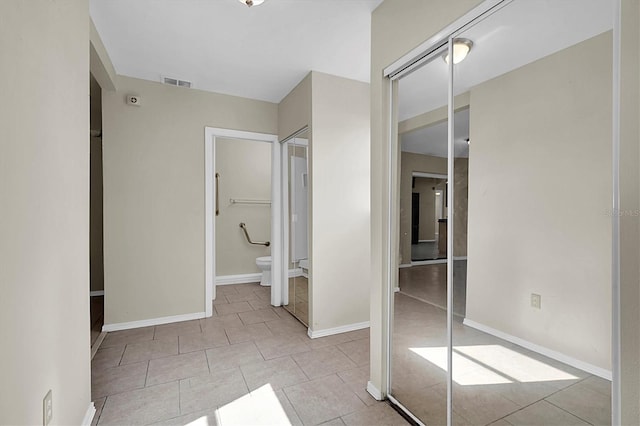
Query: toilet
point(264, 264)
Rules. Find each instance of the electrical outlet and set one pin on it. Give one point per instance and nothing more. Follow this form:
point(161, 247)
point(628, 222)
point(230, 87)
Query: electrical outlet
point(47, 408)
point(536, 301)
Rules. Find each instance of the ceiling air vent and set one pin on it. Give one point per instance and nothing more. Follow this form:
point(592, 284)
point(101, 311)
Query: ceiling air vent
point(175, 82)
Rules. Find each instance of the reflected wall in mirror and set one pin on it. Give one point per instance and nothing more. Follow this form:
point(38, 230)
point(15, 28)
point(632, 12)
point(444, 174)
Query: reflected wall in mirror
point(531, 265)
point(296, 197)
point(539, 86)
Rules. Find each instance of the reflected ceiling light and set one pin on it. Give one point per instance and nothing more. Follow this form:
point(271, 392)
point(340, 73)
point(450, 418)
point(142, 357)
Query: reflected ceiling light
point(461, 48)
point(251, 2)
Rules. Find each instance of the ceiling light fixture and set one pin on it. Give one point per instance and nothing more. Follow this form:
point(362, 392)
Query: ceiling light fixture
point(461, 48)
point(251, 2)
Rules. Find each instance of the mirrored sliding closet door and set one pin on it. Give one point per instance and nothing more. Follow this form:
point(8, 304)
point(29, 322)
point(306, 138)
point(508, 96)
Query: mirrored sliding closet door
point(502, 309)
point(296, 198)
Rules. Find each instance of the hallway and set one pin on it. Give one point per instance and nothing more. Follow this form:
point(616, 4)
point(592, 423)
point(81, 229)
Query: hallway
point(248, 364)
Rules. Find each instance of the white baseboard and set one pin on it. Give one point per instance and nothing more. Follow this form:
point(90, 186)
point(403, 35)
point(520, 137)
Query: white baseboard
point(238, 279)
point(96, 293)
point(396, 290)
point(153, 321)
point(250, 278)
point(374, 391)
point(426, 241)
point(573, 362)
point(88, 416)
point(459, 257)
point(337, 330)
point(405, 265)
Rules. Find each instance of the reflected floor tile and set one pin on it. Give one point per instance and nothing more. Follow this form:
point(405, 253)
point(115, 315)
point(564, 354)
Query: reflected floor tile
point(323, 399)
point(480, 404)
point(543, 413)
point(141, 406)
point(584, 402)
point(380, 414)
point(211, 390)
point(176, 367)
point(287, 327)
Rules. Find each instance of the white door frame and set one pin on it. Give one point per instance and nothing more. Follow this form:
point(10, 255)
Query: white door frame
point(210, 135)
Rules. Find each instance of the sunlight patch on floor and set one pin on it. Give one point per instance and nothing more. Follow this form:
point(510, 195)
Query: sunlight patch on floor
point(491, 364)
point(260, 407)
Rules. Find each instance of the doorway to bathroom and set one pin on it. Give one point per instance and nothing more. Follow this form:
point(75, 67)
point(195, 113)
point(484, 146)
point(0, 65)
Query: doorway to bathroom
point(243, 211)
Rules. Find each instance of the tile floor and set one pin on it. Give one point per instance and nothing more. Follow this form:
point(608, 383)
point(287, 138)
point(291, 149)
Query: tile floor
point(495, 382)
point(249, 364)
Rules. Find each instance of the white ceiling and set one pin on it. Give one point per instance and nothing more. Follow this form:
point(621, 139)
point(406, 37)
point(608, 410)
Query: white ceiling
point(223, 46)
point(432, 140)
point(520, 33)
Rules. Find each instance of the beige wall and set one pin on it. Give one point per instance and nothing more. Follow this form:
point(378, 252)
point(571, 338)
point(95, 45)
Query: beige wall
point(340, 185)
point(294, 111)
point(629, 203)
point(427, 227)
point(44, 225)
point(411, 162)
point(245, 172)
point(540, 184)
point(154, 193)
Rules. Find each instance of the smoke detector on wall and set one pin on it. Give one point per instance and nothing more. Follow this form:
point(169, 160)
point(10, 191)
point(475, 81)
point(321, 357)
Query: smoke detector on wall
point(176, 82)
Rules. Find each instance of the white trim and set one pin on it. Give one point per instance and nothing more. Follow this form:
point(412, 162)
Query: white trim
point(152, 321)
point(573, 362)
point(428, 175)
point(88, 415)
point(405, 265)
point(238, 279)
point(337, 330)
point(405, 410)
point(459, 257)
point(616, 387)
point(374, 391)
point(96, 293)
point(210, 135)
point(426, 241)
point(396, 290)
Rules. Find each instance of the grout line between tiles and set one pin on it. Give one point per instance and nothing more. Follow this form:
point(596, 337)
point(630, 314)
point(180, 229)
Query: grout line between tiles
point(569, 412)
point(146, 374)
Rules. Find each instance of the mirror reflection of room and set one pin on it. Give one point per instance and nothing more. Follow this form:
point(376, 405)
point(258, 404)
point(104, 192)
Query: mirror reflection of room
point(297, 198)
point(531, 129)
